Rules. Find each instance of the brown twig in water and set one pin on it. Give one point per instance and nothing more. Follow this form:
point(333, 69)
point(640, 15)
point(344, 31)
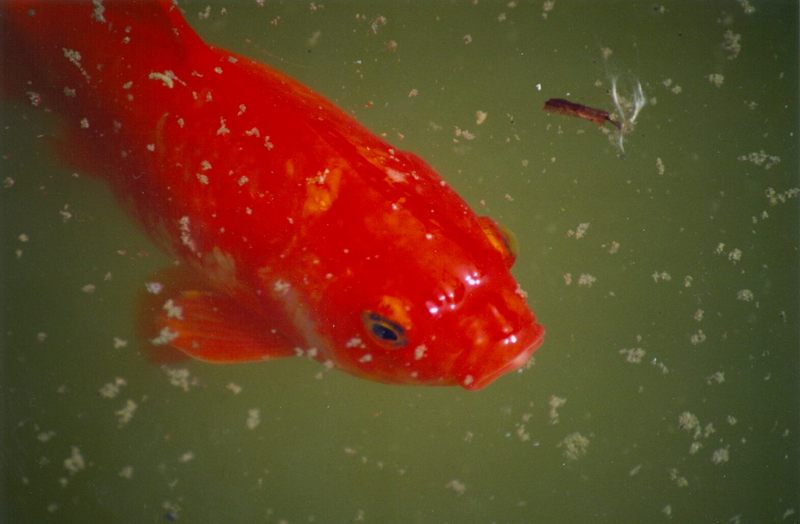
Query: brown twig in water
point(565, 107)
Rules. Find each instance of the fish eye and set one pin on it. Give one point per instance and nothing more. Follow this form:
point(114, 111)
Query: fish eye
point(385, 332)
point(501, 239)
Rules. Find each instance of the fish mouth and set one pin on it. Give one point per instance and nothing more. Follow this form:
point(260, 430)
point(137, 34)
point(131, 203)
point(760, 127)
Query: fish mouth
point(479, 380)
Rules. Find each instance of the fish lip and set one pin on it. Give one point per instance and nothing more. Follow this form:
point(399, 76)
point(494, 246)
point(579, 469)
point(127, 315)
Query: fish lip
point(481, 381)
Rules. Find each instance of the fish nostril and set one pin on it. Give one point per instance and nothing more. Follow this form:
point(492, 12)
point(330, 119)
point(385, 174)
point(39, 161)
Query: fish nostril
point(500, 321)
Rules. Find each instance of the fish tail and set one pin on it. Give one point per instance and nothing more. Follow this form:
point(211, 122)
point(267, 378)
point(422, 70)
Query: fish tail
point(66, 49)
point(79, 59)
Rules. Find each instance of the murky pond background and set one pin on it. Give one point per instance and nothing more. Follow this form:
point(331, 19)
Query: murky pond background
point(667, 387)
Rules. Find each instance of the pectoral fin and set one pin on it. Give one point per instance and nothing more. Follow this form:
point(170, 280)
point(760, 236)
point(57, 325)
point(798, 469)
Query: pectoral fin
point(213, 327)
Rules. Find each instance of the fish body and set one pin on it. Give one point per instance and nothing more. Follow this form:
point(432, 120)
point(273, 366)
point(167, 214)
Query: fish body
point(298, 230)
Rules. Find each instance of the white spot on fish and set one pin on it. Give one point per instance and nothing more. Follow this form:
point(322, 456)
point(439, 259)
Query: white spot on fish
point(99, 10)
point(354, 342)
point(186, 237)
point(223, 129)
point(75, 59)
point(395, 175)
point(167, 77)
point(173, 311)
point(281, 287)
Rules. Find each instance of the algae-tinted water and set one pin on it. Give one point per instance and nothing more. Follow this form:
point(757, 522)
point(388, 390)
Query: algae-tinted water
point(667, 387)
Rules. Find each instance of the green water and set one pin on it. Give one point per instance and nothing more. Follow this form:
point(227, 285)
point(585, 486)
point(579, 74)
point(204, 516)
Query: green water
point(667, 388)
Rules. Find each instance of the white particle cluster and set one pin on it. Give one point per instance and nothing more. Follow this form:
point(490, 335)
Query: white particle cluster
point(125, 414)
point(164, 337)
point(75, 462)
point(555, 402)
point(761, 159)
point(633, 355)
point(697, 338)
point(575, 446)
point(720, 456)
point(716, 79)
point(580, 231)
point(184, 226)
point(112, 389)
point(167, 77)
point(180, 378)
point(253, 418)
point(173, 310)
point(457, 486)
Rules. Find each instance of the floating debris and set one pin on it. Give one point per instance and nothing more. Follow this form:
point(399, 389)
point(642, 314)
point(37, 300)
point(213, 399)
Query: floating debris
point(457, 486)
point(45, 436)
point(575, 446)
point(716, 79)
point(747, 7)
point(761, 159)
point(579, 232)
point(125, 414)
point(75, 462)
point(679, 480)
point(633, 355)
point(112, 389)
point(627, 110)
point(555, 402)
point(660, 166)
point(732, 43)
point(689, 422)
point(180, 378)
point(661, 276)
point(697, 338)
point(565, 107)
point(253, 418)
point(720, 456)
point(547, 8)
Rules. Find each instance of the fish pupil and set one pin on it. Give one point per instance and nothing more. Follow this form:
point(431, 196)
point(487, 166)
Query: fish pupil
point(383, 332)
point(387, 333)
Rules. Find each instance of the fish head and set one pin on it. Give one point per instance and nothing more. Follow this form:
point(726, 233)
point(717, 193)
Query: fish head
point(427, 296)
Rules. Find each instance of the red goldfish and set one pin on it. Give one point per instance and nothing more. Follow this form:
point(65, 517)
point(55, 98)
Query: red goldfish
point(304, 232)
